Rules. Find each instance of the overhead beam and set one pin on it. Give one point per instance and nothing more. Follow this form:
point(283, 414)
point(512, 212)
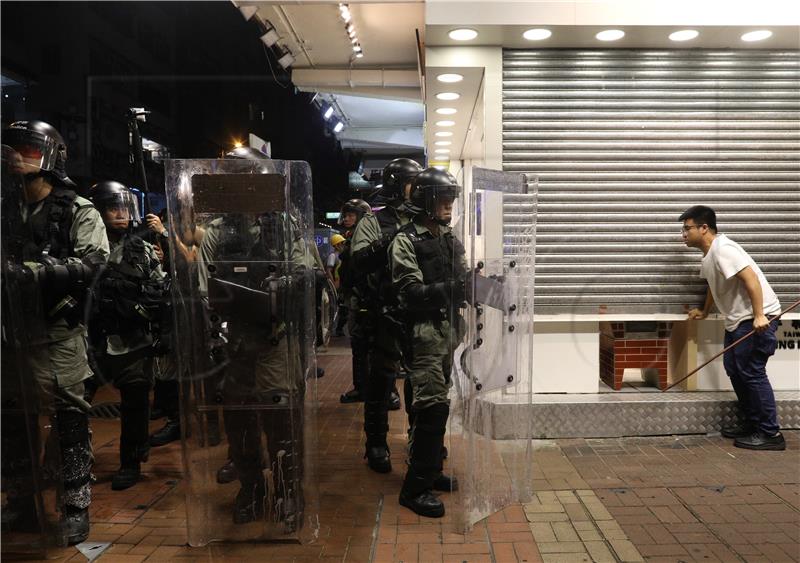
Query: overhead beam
point(401, 136)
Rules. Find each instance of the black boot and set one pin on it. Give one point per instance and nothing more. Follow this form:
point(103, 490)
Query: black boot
point(74, 526)
point(249, 503)
point(76, 464)
point(425, 463)
point(352, 396)
point(376, 426)
point(416, 495)
point(227, 473)
point(445, 483)
point(134, 445)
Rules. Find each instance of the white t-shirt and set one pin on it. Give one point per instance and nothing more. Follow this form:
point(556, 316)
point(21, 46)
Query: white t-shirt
point(724, 260)
point(333, 259)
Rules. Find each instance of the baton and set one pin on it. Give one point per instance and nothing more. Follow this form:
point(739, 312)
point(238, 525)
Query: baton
point(742, 339)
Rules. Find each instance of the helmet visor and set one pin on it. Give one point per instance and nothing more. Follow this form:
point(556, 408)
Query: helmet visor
point(440, 201)
point(38, 151)
point(119, 210)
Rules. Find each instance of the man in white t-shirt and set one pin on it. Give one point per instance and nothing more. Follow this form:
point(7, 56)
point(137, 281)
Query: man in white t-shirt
point(746, 301)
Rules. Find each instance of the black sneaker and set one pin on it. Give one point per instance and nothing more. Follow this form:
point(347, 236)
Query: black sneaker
point(759, 440)
point(737, 430)
point(352, 396)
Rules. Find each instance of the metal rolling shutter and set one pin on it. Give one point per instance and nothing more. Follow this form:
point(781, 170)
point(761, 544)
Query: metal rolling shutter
point(623, 141)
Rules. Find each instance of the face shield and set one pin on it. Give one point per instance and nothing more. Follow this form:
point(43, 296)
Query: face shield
point(38, 151)
point(119, 210)
point(440, 203)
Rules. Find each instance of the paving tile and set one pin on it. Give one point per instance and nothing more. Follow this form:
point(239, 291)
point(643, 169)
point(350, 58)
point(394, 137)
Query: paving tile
point(565, 558)
point(625, 550)
point(599, 552)
point(504, 553)
point(561, 547)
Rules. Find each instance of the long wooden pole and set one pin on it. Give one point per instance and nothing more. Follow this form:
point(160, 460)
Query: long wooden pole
point(742, 339)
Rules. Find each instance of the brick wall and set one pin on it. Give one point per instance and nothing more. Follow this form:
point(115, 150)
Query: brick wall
point(618, 353)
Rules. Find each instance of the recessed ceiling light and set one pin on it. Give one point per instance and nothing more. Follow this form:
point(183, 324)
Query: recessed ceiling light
point(758, 35)
point(684, 35)
point(443, 143)
point(610, 35)
point(463, 34)
point(445, 123)
point(442, 151)
point(444, 133)
point(450, 77)
point(537, 34)
point(446, 111)
point(448, 96)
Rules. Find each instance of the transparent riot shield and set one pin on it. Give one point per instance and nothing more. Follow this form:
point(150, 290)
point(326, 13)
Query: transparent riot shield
point(244, 301)
point(489, 437)
point(31, 510)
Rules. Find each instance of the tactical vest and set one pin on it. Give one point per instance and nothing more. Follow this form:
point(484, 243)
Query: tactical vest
point(126, 296)
point(389, 221)
point(435, 255)
point(244, 258)
point(255, 258)
point(50, 228)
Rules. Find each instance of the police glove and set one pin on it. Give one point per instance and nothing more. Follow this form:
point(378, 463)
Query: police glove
point(435, 295)
point(373, 257)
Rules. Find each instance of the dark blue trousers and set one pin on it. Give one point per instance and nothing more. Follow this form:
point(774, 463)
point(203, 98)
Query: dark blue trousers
point(746, 365)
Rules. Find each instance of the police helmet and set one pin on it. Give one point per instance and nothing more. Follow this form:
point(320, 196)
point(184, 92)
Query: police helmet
point(111, 195)
point(41, 147)
point(397, 174)
point(355, 205)
point(430, 185)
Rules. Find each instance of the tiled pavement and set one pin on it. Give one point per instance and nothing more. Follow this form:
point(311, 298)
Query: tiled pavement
point(693, 498)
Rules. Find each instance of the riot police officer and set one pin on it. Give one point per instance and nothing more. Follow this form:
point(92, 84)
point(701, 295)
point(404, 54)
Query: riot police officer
point(128, 298)
point(258, 367)
point(428, 273)
point(350, 216)
point(57, 242)
point(370, 265)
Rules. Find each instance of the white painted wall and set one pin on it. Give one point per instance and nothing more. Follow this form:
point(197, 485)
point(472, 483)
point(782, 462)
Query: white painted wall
point(783, 368)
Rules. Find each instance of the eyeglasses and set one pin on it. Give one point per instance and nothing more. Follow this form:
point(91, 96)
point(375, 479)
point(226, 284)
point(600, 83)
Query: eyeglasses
point(687, 228)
